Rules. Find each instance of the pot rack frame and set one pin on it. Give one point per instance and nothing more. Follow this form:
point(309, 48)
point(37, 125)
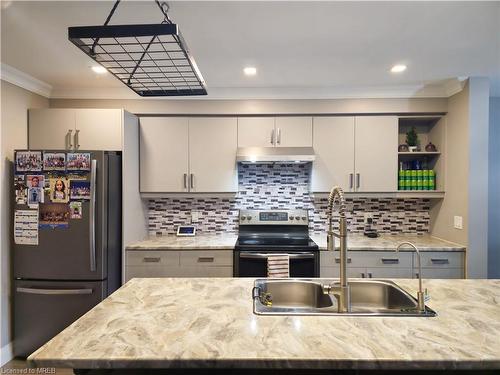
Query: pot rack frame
point(151, 59)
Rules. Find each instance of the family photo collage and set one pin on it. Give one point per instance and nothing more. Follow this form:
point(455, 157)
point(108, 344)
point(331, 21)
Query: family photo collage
point(54, 183)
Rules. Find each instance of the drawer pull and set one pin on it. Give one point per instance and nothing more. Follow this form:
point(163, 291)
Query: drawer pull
point(206, 259)
point(151, 259)
point(362, 275)
point(440, 260)
point(370, 275)
point(337, 260)
point(390, 260)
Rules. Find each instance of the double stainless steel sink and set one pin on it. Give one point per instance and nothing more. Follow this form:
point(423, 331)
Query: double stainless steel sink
point(307, 297)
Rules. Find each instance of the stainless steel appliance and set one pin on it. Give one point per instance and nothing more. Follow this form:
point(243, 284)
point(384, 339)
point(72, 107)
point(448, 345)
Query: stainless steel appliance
point(266, 232)
point(72, 268)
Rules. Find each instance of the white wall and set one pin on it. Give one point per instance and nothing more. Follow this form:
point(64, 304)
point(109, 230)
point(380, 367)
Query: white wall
point(15, 102)
point(494, 190)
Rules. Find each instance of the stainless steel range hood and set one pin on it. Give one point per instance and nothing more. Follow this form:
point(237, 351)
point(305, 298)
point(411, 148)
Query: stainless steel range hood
point(275, 154)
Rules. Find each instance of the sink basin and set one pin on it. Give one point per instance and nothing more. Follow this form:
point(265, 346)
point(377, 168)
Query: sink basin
point(306, 297)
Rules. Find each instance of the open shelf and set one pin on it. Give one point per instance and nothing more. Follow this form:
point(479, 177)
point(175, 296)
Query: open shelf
point(420, 153)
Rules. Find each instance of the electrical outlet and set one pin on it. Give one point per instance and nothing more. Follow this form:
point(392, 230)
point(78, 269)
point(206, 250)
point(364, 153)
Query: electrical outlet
point(458, 222)
point(195, 215)
point(367, 216)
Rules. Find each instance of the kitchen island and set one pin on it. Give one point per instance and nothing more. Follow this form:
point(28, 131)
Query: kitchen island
point(209, 324)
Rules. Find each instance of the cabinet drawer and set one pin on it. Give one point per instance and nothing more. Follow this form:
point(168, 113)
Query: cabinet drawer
point(151, 271)
point(334, 272)
point(389, 272)
point(207, 258)
point(441, 260)
point(441, 273)
point(367, 259)
point(152, 258)
point(202, 271)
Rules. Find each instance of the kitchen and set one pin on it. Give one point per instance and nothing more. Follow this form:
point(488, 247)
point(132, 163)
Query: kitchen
point(223, 212)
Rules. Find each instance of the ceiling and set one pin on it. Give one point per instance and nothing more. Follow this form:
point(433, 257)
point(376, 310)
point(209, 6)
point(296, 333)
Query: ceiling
point(301, 49)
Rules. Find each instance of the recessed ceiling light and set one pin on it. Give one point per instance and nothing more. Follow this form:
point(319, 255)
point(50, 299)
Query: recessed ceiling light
point(398, 68)
point(99, 69)
point(250, 71)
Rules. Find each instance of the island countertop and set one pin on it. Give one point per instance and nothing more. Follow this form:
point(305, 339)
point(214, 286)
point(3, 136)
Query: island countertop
point(355, 241)
point(209, 323)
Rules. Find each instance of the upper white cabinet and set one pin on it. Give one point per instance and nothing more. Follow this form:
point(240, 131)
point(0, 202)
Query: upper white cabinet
point(74, 129)
point(256, 132)
point(294, 132)
point(164, 162)
point(180, 154)
point(334, 148)
point(358, 154)
point(212, 154)
point(376, 157)
point(275, 132)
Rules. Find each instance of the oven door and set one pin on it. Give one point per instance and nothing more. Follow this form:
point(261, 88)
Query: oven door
point(254, 263)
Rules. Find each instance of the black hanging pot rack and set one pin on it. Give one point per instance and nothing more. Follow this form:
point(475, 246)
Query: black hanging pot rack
point(151, 59)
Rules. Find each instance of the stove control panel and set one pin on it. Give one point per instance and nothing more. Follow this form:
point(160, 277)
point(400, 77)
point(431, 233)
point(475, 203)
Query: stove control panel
point(273, 217)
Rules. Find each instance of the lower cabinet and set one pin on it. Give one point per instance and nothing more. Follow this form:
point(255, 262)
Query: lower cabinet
point(178, 263)
point(385, 264)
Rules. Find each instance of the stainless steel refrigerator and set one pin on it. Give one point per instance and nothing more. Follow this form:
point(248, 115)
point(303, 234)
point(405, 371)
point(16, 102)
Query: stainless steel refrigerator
point(73, 267)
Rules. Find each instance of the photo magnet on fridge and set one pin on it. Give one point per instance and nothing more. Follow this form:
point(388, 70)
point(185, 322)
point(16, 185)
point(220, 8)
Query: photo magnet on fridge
point(75, 210)
point(78, 161)
point(59, 192)
point(21, 191)
point(35, 180)
point(35, 196)
point(54, 161)
point(28, 161)
point(79, 189)
point(54, 215)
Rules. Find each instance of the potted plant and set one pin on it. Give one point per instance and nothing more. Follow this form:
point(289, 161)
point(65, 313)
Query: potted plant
point(412, 139)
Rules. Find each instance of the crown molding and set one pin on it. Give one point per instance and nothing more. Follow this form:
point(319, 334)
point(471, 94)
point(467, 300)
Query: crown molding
point(251, 93)
point(25, 81)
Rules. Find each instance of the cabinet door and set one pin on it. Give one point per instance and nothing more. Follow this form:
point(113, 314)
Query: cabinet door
point(163, 154)
point(256, 132)
point(294, 132)
point(212, 154)
point(376, 153)
point(333, 144)
point(98, 129)
point(51, 128)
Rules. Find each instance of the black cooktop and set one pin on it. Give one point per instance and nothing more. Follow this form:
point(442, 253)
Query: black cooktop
point(281, 240)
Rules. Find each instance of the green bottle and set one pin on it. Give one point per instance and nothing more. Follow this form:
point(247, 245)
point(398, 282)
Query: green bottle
point(401, 177)
point(432, 180)
point(420, 179)
point(408, 179)
point(413, 179)
point(425, 179)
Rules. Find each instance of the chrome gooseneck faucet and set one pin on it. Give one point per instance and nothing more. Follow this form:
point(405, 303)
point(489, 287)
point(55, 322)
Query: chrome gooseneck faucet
point(341, 291)
point(420, 293)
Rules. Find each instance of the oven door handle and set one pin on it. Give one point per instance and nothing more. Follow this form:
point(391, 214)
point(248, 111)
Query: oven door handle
point(265, 255)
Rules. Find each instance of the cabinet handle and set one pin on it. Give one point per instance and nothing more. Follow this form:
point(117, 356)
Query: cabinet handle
point(351, 180)
point(191, 178)
point(358, 180)
point(272, 136)
point(77, 139)
point(362, 275)
point(185, 181)
point(279, 136)
point(205, 259)
point(68, 139)
point(151, 259)
point(390, 260)
point(440, 260)
point(337, 260)
point(417, 275)
point(370, 275)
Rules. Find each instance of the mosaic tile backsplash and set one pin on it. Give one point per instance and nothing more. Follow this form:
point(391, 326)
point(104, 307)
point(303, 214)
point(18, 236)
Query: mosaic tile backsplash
point(285, 186)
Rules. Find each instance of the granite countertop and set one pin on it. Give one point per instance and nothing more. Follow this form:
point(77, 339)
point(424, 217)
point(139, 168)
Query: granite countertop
point(198, 242)
point(389, 242)
point(356, 241)
point(161, 323)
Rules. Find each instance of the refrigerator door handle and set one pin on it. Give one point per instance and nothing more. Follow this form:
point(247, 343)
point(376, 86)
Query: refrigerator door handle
point(93, 172)
point(54, 291)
